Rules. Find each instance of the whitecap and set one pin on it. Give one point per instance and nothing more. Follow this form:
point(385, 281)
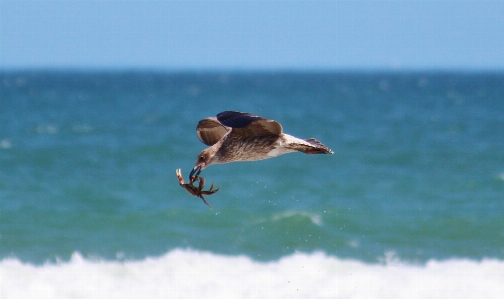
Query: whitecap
point(47, 129)
point(195, 274)
point(5, 144)
point(314, 218)
point(501, 176)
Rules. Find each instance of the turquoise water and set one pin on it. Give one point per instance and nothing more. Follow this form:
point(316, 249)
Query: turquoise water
point(88, 165)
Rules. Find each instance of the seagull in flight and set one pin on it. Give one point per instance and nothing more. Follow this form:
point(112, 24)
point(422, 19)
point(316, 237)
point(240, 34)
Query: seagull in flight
point(235, 136)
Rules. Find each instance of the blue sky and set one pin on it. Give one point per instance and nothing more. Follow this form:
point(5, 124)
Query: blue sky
point(253, 35)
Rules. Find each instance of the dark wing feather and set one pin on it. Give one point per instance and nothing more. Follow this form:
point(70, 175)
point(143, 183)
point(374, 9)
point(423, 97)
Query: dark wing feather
point(249, 125)
point(235, 119)
point(210, 130)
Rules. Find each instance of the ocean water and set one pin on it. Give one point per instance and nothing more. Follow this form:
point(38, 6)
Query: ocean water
point(411, 205)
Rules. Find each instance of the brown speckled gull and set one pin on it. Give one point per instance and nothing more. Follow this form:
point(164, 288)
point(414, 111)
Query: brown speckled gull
point(237, 136)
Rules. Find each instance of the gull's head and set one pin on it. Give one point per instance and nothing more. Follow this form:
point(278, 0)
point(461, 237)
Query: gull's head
point(203, 161)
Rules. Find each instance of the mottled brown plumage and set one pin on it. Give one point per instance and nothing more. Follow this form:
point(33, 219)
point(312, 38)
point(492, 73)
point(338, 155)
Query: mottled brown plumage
point(237, 136)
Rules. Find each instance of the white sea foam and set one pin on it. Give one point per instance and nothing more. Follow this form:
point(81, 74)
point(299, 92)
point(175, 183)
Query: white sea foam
point(501, 176)
point(47, 129)
point(5, 144)
point(192, 274)
point(314, 218)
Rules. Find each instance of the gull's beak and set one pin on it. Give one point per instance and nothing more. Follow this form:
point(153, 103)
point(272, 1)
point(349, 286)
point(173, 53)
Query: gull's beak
point(195, 171)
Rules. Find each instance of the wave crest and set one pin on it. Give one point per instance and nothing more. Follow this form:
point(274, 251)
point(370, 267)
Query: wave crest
point(195, 274)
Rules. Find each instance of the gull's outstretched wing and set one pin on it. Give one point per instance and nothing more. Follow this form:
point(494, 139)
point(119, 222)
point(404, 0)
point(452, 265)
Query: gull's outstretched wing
point(249, 125)
point(210, 130)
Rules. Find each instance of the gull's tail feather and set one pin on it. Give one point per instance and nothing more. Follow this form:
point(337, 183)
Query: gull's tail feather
point(311, 146)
